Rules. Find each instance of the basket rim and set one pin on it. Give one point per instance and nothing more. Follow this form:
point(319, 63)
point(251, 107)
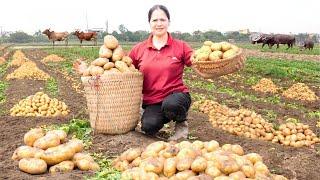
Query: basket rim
point(239, 53)
point(83, 78)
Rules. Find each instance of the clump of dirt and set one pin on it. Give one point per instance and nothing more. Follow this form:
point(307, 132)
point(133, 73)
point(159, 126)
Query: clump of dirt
point(300, 91)
point(266, 85)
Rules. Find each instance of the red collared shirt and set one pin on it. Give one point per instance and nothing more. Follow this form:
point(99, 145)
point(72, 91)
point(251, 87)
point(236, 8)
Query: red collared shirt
point(162, 69)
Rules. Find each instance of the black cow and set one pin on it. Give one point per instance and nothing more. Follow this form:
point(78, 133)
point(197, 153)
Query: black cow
point(308, 44)
point(283, 39)
point(262, 38)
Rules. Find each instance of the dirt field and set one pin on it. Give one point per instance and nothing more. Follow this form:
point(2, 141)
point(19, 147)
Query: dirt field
point(294, 163)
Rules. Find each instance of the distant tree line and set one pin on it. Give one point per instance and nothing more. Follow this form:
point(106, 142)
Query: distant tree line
point(123, 34)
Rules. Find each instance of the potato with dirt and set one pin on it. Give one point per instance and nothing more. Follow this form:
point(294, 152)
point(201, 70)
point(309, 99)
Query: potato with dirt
point(33, 165)
point(64, 166)
point(31, 136)
point(25, 152)
point(47, 141)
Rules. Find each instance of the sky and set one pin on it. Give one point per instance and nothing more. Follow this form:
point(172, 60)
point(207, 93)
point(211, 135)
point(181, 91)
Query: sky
point(268, 16)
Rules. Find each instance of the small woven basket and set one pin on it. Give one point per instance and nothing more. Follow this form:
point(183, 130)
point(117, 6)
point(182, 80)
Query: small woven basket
point(213, 69)
point(114, 101)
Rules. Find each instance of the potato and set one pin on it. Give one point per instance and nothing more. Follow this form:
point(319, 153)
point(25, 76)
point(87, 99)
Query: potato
point(108, 65)
point(96, 70)
point(79, 156)
point(200, 177)
point(184, 163)
point(253, 157)
point(64, 166)
point(223, 178)
point(184, 175)
point(237, 149)
point(208, 43)
point(211, 145)
point(61, 134)
point(261, 168)
point(122, 66)
point(136, 162)
point(131, 154)
point(184, 144)
point(248, 170)
point(100, 62)
point(127, 60)
point(25, 152)
point(237, 175)
point(215, 55)
point(86, 165)
point(228, 166)
point(169, 167)
point(76, 144)
point(215, 47)
point(156, 146)
point(31, 136)
point(152, 165)
point(104, 52)
point(225, 46)
point(132, 68)
point(117, 54)
point(133, 174)
point(199, 164)
point(121, 165)
point(33, 165)
point(58, 154)
point(110, 42)
point(278, 177)
point(186, 153)
point(212, 171)
point(47, 141)
point(170, 151)
point(198, 144)
point(229, 53)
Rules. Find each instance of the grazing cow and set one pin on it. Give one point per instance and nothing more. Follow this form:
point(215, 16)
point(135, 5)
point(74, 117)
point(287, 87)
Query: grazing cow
point(88, 36)
point(262, 38)
point(308, 44)
point(284, 39)
point(56, 36)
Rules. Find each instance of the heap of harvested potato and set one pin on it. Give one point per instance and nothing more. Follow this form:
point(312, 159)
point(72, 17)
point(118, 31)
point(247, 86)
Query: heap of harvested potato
point(112, 59)
point(186, 160)
point(265, 85)
point(28, 70)
point(39, 104)
point(52, 149)
point(300, 91)
point(296, 135)
point(215, 51)
point(18, 58)
point(205, 106)
point(52, 58)
point(242, 122)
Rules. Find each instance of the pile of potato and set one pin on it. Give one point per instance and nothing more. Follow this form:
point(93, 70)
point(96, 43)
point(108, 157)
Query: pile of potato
point(52, 58)
point(112, 59)
point(205, 106)
point(28, 70)
point(242, 122)
point(18, 58)
point(300, 91)
point(215, 51)
point(39, 104)
point(196, 160)
point(265, 85)
point(52, 149)
point(296, 135)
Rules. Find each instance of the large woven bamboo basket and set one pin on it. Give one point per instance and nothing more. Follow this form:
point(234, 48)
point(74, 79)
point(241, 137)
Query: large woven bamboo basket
point(114, 101)
point(213, 69)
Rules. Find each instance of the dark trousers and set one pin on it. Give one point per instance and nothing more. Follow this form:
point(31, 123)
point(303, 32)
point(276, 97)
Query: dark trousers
point(174, 107)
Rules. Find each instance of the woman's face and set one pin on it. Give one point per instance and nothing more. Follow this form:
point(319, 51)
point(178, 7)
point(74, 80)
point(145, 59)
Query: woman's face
point(159, 23)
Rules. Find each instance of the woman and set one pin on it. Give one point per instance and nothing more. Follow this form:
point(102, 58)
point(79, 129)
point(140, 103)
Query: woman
point(161, 59)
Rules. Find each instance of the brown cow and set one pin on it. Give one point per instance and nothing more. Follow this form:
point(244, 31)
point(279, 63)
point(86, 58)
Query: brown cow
point(56, 36)
point(88, 36)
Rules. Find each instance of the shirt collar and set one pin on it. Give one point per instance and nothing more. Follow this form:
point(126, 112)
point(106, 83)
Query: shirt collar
point(150, 44)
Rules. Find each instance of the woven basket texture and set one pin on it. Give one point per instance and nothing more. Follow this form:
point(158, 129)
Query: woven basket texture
point(222, 67)
point(114, 101)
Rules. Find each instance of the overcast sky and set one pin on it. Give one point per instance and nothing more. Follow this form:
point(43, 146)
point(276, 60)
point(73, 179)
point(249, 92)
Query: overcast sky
point(275, 16)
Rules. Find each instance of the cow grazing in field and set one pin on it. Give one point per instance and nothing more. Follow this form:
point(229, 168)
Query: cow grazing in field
point(308, 44)
point(262, 38)
point(56, 36)
point(284, 39)
point(88, 36)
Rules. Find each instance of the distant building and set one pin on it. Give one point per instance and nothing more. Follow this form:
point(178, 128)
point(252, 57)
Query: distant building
point(96, 29)
point(244, 31)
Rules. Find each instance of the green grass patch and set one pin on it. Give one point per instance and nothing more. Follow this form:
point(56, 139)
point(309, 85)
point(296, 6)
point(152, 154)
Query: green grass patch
point(314, 114)
point(302, 71)
point(78, 128)
point(3, 86)
point(3, 69)
point(51, 86)
point(107, 172)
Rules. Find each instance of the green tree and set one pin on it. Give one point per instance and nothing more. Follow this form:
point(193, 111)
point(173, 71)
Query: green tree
point(20, 37)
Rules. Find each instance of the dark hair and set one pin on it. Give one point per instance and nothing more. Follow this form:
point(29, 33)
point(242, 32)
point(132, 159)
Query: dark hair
point(162, 7)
